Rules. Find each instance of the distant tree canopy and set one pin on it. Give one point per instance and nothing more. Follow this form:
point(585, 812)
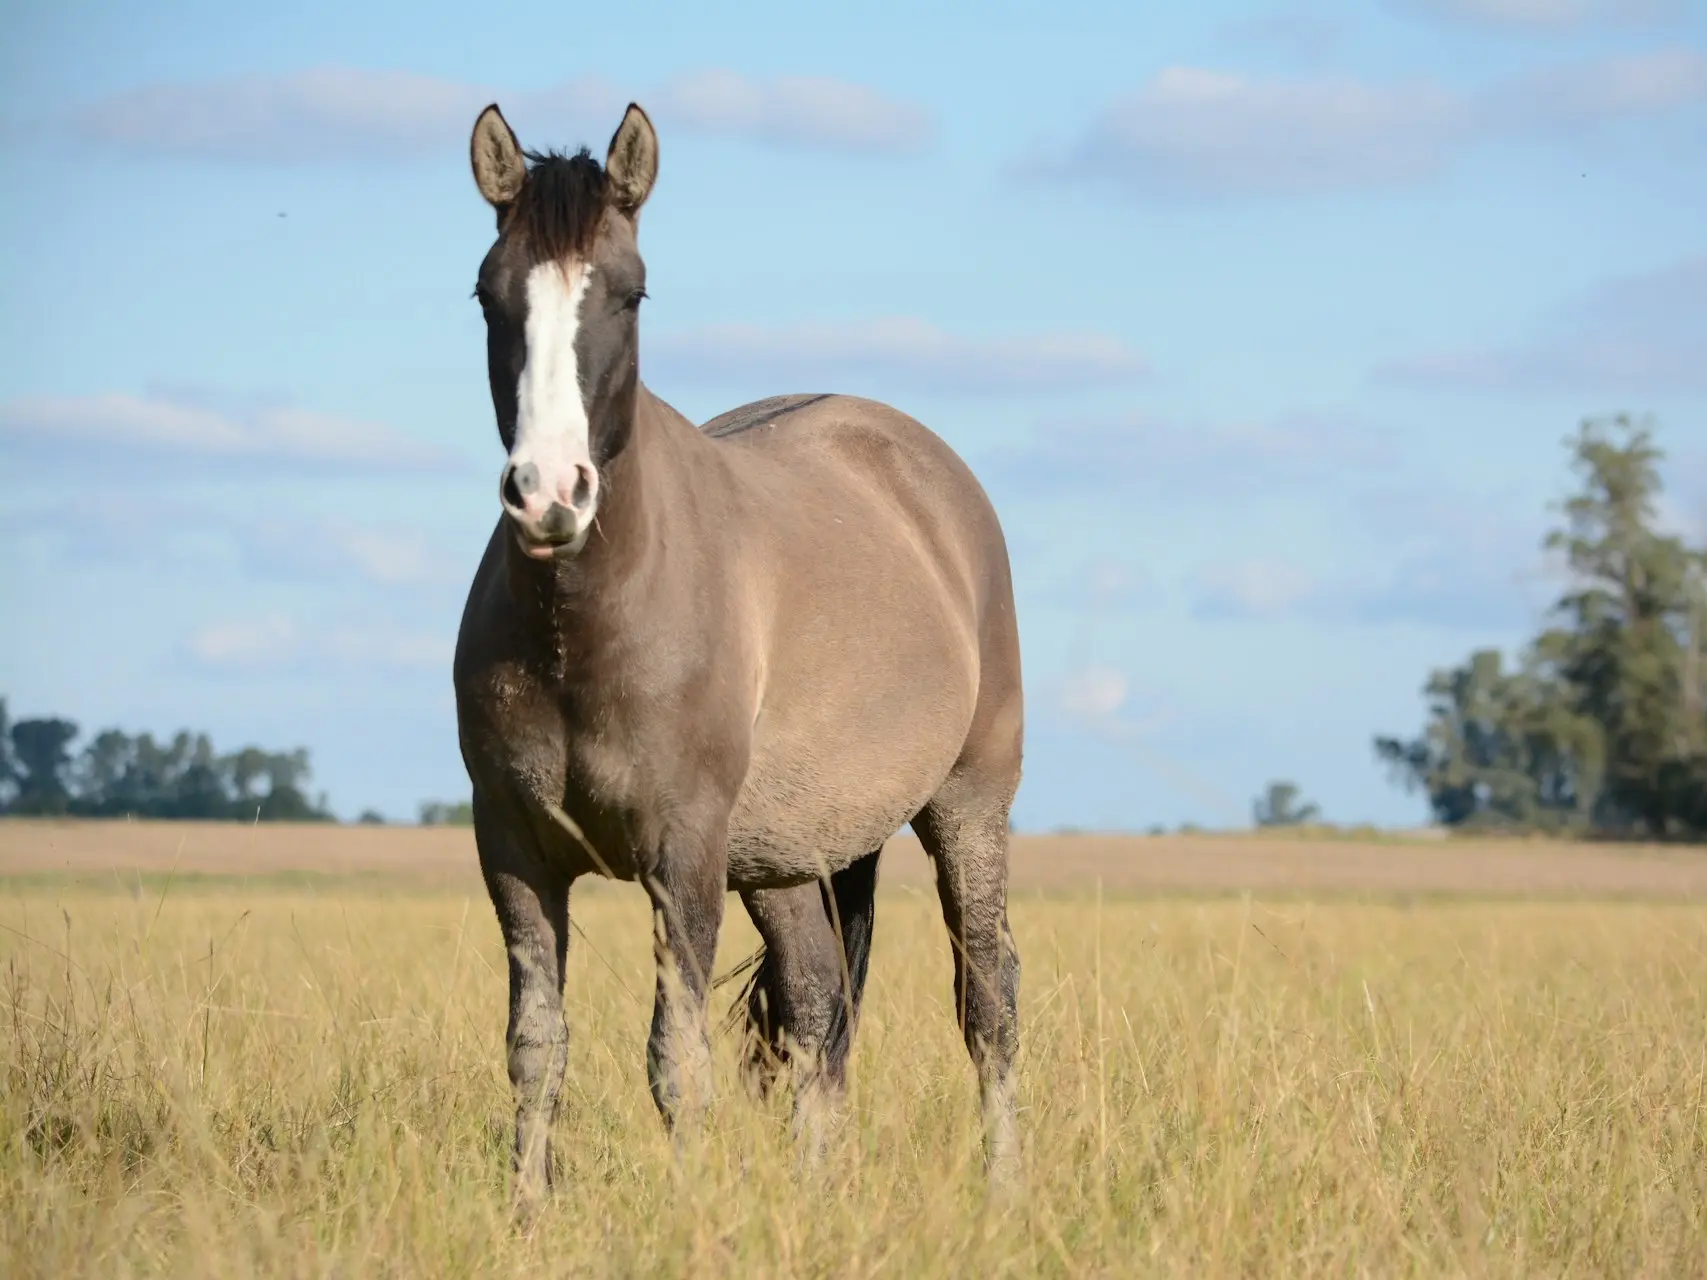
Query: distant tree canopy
point(116, 774)
point(1600, 727)
point(1280, 806)
point(436, 813)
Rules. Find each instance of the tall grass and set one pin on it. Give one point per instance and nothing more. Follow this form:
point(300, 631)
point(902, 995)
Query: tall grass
point(303, 1082)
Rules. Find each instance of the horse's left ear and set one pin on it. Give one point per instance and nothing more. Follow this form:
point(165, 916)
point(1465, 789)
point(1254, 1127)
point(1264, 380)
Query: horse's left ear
point(632, 164)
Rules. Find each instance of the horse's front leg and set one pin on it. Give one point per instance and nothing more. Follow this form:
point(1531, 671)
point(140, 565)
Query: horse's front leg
point(532, 901)
point(686, 884)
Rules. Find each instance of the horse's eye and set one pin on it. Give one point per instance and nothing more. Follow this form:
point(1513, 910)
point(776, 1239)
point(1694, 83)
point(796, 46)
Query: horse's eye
point(634, 298)
point(481, 296)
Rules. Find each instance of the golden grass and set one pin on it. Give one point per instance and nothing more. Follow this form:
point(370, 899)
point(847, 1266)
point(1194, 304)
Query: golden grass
point(1269, 862)
point(311, 1082)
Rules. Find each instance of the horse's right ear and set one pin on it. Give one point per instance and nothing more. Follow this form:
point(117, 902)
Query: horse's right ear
point(499, 168)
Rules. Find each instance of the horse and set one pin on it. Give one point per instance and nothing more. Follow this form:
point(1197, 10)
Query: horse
point(730, 657)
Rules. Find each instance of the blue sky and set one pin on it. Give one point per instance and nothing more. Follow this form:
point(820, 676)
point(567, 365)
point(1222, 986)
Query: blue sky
point(1262, 323)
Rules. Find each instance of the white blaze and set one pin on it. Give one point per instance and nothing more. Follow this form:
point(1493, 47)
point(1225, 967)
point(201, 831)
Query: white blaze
point(551, 418)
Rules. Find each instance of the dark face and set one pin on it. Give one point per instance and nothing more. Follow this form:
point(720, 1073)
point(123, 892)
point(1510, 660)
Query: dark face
point(562, 354)
point(561, 291)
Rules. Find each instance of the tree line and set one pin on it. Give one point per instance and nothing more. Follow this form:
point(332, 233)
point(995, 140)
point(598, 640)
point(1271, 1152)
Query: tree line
point(1599, 725)
point(115, 774)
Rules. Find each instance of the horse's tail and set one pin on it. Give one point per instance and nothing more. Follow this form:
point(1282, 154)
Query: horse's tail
point(851, 901)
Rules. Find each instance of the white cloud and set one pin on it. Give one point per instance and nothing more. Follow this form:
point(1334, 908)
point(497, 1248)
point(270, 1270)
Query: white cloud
point(345, 114)
point(805, 111)
point(1546, 14)
point(1601, 92)
point(1190, 132)
point(1607, 362)
point(1253, 589)
point(1100, 587)
point(1466, 574)
point(1302, 32)
point(416, 650)
point(898, 351)
point(276, 643)
point(246, 645)
point(393, 556)
point(1103, 700)
point(1639, 334)
point(322, 113)
point(1094, 692)
point(1197, 132)
point(1112, 584)
point(166, 534)
point(120, 429)
point(1170, 459)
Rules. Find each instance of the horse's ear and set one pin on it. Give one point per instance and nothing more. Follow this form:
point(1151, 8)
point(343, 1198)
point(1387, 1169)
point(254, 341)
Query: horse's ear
point(632, 164)
point(499, 169)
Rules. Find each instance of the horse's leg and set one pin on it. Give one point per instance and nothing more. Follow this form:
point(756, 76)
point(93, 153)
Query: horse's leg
point(532, 902)
point(804, 1003)
point(965, 832)
point(686, 887)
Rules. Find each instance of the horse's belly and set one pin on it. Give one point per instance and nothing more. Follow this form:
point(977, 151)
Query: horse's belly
point(820, 794)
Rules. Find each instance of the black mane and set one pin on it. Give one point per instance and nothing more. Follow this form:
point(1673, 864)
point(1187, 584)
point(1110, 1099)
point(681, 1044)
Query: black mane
point(560, 205)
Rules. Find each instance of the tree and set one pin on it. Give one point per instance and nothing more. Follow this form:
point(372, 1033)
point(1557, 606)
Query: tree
point(436, 813)
point(1602, 725)
point(285, 801)
point(1279, 807)
point(9, 773)
point(248, 767)
point(116, 774)
point(40, 749)
point(1499, 750)
point(1630, 643)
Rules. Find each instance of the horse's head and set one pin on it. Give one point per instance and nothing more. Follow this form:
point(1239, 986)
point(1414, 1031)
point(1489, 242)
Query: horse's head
point(561, 289)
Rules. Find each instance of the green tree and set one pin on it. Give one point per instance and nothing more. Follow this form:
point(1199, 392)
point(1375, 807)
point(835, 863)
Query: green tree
point(1629, 646)
point(1279, 807)
point(41, 749)
point(248, 767)
point(286, 800)
point(9, 772)
point(1602, 726)
point(1501, 749)
point(436, 813)
point(116, 774)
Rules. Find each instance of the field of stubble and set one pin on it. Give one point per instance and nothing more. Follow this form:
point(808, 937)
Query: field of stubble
point(218, 1076)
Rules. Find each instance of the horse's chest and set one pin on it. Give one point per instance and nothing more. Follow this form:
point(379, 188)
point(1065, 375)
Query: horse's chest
point(650, 771)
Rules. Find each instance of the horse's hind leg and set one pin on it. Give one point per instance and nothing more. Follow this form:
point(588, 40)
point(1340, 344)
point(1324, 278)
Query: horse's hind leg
point(803, 1005)
point(965, 831)
point(532, 903)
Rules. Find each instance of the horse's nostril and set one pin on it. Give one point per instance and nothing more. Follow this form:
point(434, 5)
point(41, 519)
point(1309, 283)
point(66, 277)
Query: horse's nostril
point(583, 491)
point(519, 483)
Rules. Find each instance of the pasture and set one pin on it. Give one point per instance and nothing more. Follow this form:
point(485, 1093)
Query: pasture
point(235, 1051)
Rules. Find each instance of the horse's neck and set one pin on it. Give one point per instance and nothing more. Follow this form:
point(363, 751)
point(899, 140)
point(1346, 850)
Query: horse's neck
point(647, 490)
point(587, 598)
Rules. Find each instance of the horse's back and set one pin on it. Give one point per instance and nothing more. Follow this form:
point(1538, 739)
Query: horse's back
point(825, 442)
point(759, 413)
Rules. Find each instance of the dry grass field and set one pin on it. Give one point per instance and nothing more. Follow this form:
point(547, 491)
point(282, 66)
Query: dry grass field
point(285, 1057)
point(109, 853)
